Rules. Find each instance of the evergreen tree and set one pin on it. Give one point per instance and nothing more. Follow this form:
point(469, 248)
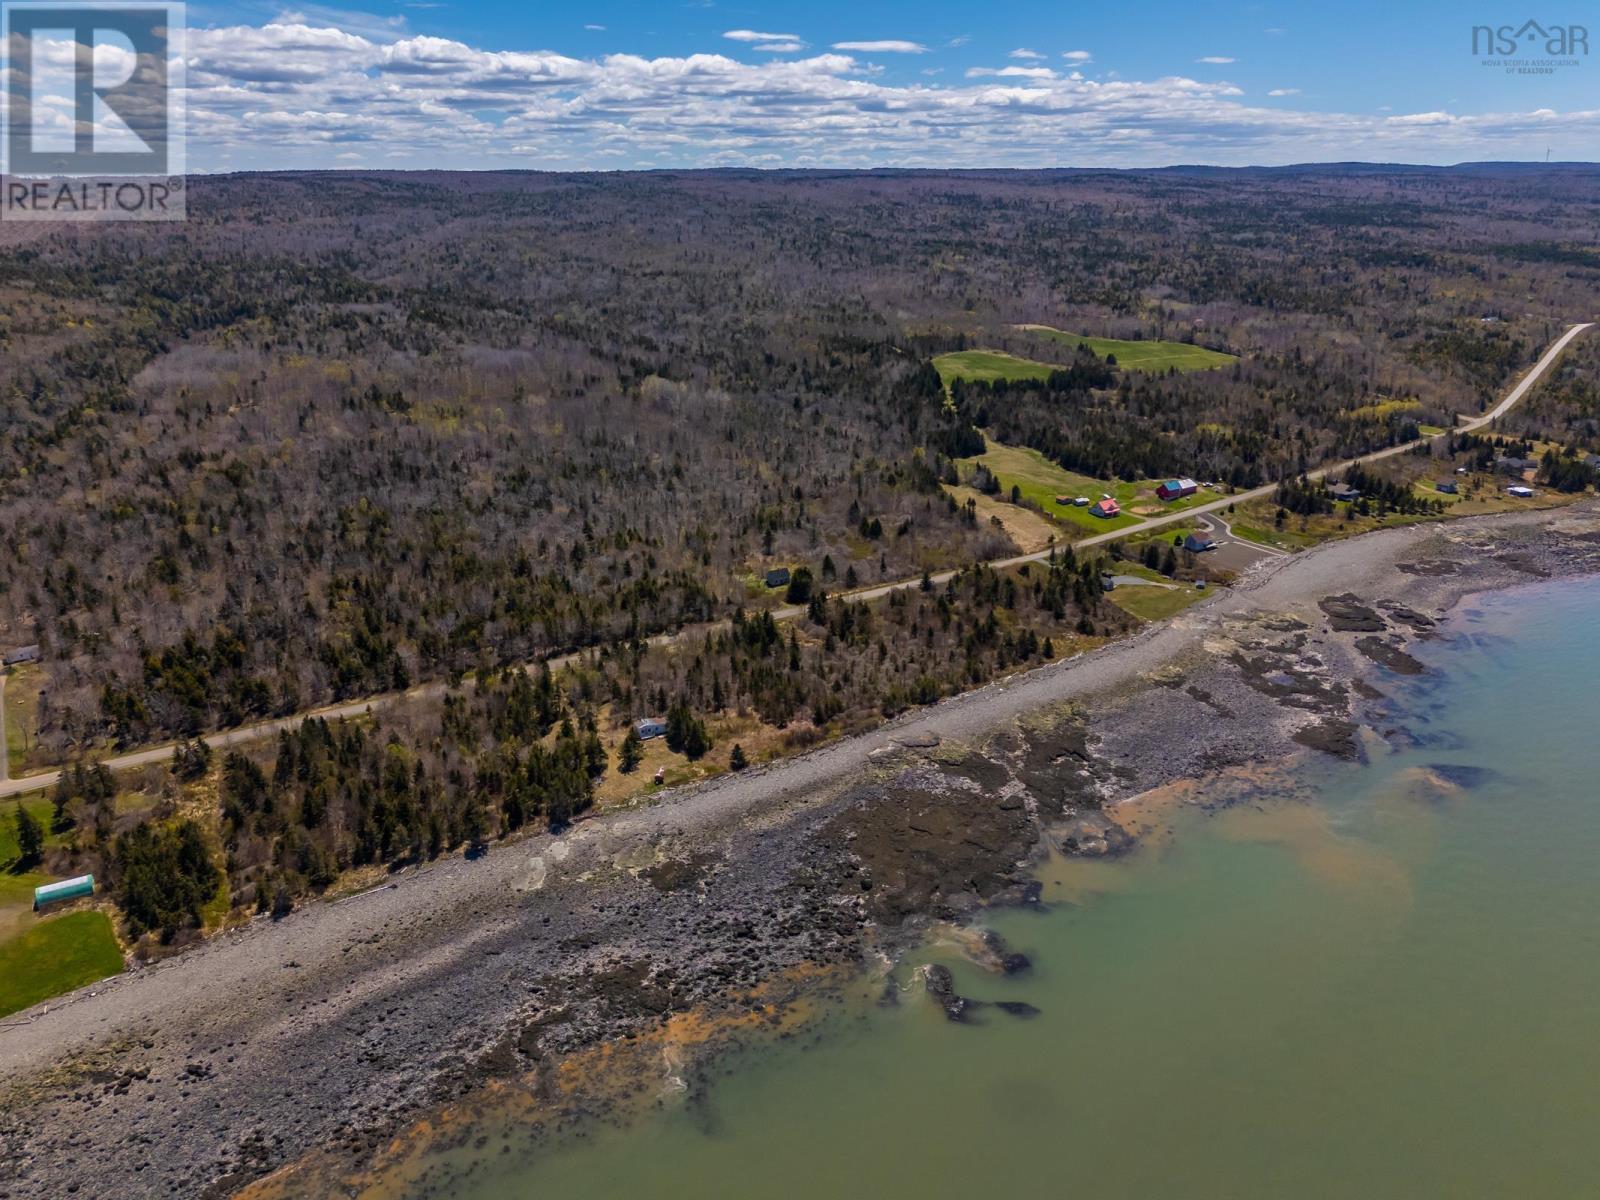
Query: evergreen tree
point(736, 759)
point(30, 838)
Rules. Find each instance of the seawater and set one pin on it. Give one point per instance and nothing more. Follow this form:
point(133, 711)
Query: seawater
point(1381, 983)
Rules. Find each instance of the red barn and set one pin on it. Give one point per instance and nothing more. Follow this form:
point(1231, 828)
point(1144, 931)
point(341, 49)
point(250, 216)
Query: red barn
point(1174, 489)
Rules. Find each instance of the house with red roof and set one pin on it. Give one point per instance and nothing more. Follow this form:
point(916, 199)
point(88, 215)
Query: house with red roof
point(1107, 508)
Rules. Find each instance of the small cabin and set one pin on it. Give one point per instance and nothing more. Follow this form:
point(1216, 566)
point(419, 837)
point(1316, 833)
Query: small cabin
point(1106, 508)
point(778, 577)
point(66, 889)
point(1199, 541)
point(1511, 465)
point(1063, 501)
point(1520, 492)
point(650, 727)
point(1447, 486)
point(22, 654)
point(1176, 489)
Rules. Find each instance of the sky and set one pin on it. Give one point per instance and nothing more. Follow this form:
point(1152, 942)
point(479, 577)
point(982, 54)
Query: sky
point(611, 84)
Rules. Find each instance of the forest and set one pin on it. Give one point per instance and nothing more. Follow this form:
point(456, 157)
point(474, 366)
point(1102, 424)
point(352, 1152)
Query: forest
point(339, 434)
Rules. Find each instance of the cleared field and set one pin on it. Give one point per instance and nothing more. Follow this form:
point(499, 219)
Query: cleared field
point(1155, 603)
point(1041, 481)
point(55, 956)
point(1155, 356)
point(22, 706)
point(1029, 530)
point(986, 366)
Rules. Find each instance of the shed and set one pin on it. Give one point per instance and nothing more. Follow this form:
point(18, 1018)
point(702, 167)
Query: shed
point(66, 889)
point(1107, 508)
point(1174, 489)
point(1519, 491)
point(778, 577)
point(650, 727)
point(1199, 541)
point(1447, 486)
point(22, 654)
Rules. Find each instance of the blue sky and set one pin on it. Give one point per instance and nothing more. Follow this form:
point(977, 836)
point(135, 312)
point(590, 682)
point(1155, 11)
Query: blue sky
point(619, 83)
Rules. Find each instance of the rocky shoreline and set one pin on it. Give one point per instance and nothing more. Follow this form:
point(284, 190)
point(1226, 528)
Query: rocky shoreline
point(290, 1057)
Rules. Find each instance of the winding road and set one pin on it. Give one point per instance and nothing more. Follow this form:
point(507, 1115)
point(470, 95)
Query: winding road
point(266, 729)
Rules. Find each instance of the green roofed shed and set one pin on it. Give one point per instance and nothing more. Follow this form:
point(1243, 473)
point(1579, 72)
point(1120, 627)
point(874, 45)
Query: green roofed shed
point(66, 889)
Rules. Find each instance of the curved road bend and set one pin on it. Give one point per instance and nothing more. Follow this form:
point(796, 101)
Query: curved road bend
point(354, 708)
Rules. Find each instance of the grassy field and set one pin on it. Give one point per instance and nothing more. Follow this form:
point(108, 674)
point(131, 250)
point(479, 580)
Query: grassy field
point(55, 956)
point(1041, 481)
point(1029, 530)
point(985, 366)
point(1143, 355)
point(22, 704)
point(1155, 603)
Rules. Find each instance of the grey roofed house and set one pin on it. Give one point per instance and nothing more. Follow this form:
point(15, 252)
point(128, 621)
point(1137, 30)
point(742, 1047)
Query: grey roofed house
point(1447, 486)
point(1199, 542)
point(1343, 491)
point(778, 576)
point(650, 727)
point(22, 654)
point(1508, 465)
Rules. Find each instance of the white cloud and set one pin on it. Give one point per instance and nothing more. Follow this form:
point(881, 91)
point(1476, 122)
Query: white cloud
point(751, 35)
point(1024, 52)
point(595, 28)
point(1215, 59)
point(959, 40)
point(781, 47)
point(1077, 56)
point(1011, 72)
point(293, 94)
point(1284, 92)
point(886, 46)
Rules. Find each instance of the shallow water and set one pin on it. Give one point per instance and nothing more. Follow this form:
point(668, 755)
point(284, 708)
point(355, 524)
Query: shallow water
point(1376, 981)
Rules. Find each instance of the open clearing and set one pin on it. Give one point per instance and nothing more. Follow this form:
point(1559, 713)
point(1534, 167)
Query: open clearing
point(55, 956)
point(1155, 356)
point(985, 366)
point(1156, 603)
point(1040, 481)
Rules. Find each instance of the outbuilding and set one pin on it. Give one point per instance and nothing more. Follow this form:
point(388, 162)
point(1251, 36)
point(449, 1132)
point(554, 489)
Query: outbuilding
point(67, 889)
point(1343, 491)
point(1176, 489)
point(650, 727)
point(1447, 486)
point(778, 577)
point(1519, 491)
point(1106, 508)
point(22, 654)
point(1511, 465)
point(1199, 541)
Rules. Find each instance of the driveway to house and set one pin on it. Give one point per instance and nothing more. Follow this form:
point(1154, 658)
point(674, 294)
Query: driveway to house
point(265, 729)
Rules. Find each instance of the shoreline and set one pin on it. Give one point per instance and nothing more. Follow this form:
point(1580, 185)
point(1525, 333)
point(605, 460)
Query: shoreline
point(348, 1020)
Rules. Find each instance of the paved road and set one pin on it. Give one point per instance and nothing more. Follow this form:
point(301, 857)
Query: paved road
point(1219, 524)
point(266, 729)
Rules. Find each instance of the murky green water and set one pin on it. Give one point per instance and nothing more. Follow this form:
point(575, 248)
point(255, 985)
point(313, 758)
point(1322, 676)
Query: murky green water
point(1389, 991)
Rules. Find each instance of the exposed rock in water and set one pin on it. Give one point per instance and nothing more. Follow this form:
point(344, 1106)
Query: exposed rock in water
point(1348, 614)
point(1092, 835)
point(1017, 1008)
point(1388, 656)
point(941, 985)
point(1462, 775)
point(1410, 616)
point(1332, 736)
